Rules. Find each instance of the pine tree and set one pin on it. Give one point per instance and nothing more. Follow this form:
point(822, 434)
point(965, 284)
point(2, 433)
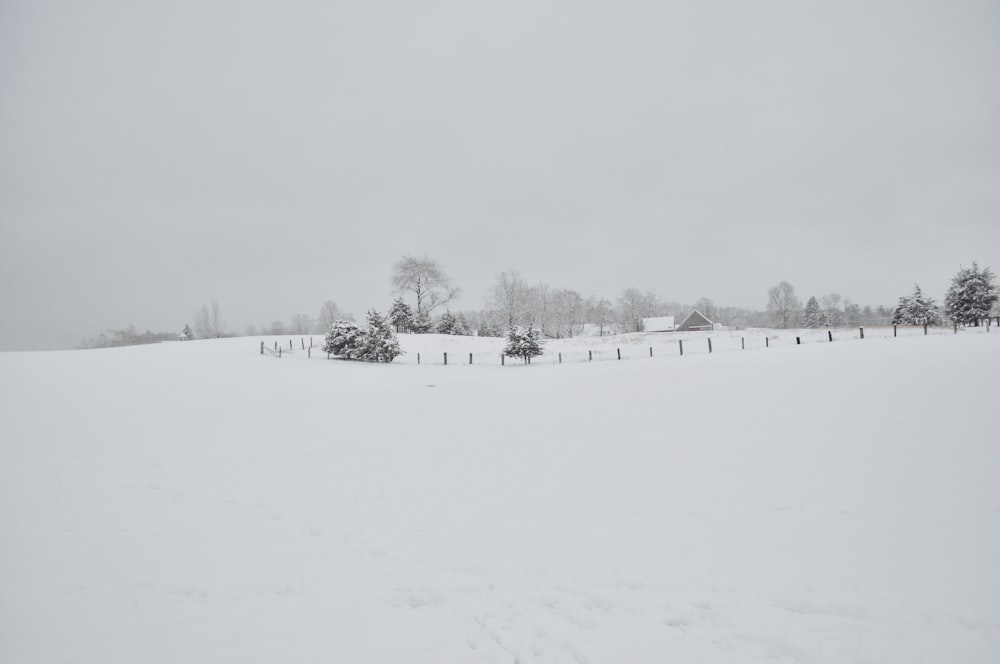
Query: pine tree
point(813, 316)
point(971, 295)
point(487, 330)
point(462, 326)
point(523, 343)
point(421, 323)
point(401, 315)
point(446, 323)
point(345, 339)
point(187, 334)
point(379, 343)
point(916, 310)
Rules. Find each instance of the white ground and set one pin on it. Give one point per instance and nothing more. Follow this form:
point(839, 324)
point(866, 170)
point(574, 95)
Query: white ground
point(198, 503)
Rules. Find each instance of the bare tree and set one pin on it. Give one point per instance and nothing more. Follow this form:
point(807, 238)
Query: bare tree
point(426, 279)
point(301, 324)
point(509, 296)
point(600, 313)
point(782, 305)
point(329, 314)
point(831, 308)
point(208, 324)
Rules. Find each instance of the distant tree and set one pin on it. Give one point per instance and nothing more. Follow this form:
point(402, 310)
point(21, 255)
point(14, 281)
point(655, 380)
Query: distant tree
point(488, 330)
point(401, 315)
point(379, 343)
point(523, 343)
point(187, 334)
point(782, 305)
point(330, 313)
point(277, 328)
point(345, 339)
point(301, 324)
point(446, 323)
point(602, 315)
point(708, 308)
point(916, 310)
point(509, 296)
point(426, 279)
point(812, 315)
point(832, 313)
point(421, 323)
point(971, 295)
point(208, 324)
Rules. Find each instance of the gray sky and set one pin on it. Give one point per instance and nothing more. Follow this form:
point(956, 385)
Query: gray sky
point(156, 156)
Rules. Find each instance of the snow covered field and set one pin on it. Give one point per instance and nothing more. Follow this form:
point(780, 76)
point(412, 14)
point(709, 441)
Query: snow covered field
point(198, 503)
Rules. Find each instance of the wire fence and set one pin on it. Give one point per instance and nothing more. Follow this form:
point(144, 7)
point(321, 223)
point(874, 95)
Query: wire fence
point(638, 347)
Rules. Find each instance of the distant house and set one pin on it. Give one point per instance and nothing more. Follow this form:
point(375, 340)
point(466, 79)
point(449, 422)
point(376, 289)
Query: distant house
point(695, 322)
point(659, 324)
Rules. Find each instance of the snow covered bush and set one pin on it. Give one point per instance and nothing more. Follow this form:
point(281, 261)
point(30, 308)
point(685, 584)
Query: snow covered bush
point(378, 343)
point(344, 340)
point(971, 296)
point(523, 343)
point(916, 310)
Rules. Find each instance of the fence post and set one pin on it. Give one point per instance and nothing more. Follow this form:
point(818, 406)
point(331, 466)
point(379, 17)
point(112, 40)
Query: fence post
point(560, 358)
point(680, 344)
point(743, 343)
point(925, 329)
point(651, 351)
point(894, 330)
point(302, 339)
point(470, 358)
point(798, 341)
point(289, 344)
point(275, 346)
point(501, 359)
point(279, 352)
point(619, 353)
point(328, 355)
point(418, 358)
point(862, 332)
point(767, 342)
point(829, 333)
point(261, 347)
point(590, 355)
point(709, 344)
point(446, 359)
point(310, 342)
point(309, 352)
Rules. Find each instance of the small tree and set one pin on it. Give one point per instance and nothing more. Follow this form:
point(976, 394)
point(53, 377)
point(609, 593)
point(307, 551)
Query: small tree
point(421, 323)
point(782, 305)
point(345, 339)
point(378, 343)
point(401, 315)
point(971, 296)
point(523, 343)
point(446, 323)
point(187, 334)
point(916, 310)
point(813, 316)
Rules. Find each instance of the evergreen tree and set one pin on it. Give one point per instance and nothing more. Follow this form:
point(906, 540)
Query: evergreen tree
point(401, 315)
point(378, 343)
point(462, 326)
point(421, 323)
point(916, 310)
point(523, 343)
point(187, 334)
point(446, 323)
point(345, 339)
point(813, 316)
point(971, 296)
point(487, 330)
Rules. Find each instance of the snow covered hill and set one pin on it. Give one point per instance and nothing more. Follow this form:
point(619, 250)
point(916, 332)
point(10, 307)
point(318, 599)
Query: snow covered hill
point(197, 502)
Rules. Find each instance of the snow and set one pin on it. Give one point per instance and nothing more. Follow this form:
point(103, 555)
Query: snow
point(197, 502)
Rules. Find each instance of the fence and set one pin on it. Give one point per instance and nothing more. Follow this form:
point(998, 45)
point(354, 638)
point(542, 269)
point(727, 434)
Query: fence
point(699, 343)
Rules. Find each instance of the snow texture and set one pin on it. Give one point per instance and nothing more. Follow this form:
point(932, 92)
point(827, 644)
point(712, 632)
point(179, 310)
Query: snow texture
point(198, 502)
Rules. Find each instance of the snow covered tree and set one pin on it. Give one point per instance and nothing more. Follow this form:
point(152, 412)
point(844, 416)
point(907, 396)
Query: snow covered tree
point(446, 323)
point(782, 305)
point(523, 343)
point(401, 315)
point(378, 343)
point(187, 334)
point(813, 316)
point(971, 296)
point(916, 310)
point(426, 279)
point(488, 330)
point(345, 339)
point(421, 323)
point(462, 326)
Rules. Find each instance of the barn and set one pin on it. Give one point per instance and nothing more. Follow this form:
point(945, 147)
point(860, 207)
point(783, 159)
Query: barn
point(695, 322)
point(659, 324)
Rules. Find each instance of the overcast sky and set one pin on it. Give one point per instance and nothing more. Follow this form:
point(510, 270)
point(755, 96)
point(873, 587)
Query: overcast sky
point(157, 156)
